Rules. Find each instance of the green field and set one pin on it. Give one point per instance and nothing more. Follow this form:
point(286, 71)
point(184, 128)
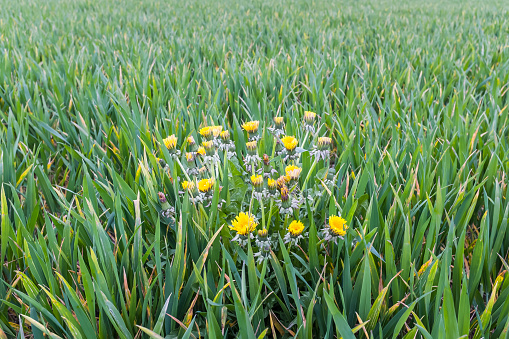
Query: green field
point(115, 225)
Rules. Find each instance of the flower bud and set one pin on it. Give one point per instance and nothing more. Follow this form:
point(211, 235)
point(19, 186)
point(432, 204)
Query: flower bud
point(309, 117)
point(279, 121)
point(263, 233)
point(251, 147)
point(216, 130)
point(272, 185)
point(324, 143)
point(225, 135)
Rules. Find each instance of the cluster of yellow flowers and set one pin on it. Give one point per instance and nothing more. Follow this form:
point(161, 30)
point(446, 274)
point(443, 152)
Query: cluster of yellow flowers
point(204, 185)
point(284, 191)
point(244, 224)
point(210, 131)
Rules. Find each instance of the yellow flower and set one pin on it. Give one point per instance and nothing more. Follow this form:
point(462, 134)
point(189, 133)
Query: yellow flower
point(188, 185)
point(205, 185)
point(257, 180)
point(201, 150)
point(281, 182)
point(278, 121)
point(309, 117)
point(206, 132)
point(225, 135)
point(337, 225)
point(295, 228)
point(293, 172)
point(216, 130)
point(244, 224)
point(272, 184)
point(190, 140)
point(263, 233)
point(324, 142)
point(189, 156)
point(251, 146)
point(208, 145)
point(289, 142)
point(170, 142)
point(284, 194)
point(251, 126)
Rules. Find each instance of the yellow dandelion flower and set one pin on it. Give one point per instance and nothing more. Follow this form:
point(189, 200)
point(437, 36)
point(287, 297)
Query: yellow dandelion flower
point(188, 185)
point(281, 182)
point(295, 228)
point(251, 146)
point(289, 142)
point(284, 194)
point(208, 144)
point(190, 141)
point(324, 142)
point(337, 225)
point(272, 184)
point(257, 180)
point(225, 135)
point(278, 121)
point(244, 224)
point(190, 156)
point(293, 172)
point(251, 126)
point(263, 233)
point(205, 185)
point(309, 117)
point(216, 130)
point(201, 150)
point(170, 142)
point(206, 132)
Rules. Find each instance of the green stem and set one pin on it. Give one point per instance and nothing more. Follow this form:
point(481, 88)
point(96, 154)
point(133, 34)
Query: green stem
point(303, 143)
point(309, 174)
point(219, 168)
point(274, 147)
point(251, 202)
point(183, 170)
point(270, 211)
point(305, 138)
point(263, 214)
